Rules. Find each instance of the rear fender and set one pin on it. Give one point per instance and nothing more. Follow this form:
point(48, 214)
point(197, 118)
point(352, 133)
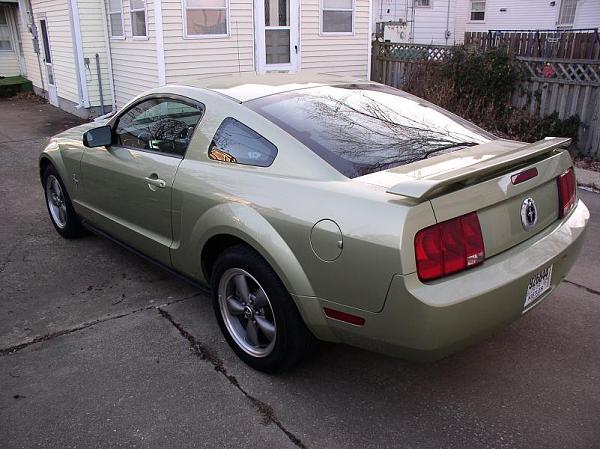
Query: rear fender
point(245, 223)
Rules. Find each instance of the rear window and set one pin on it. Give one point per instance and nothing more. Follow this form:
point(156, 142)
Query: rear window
point(365, 128)
point(234, 142)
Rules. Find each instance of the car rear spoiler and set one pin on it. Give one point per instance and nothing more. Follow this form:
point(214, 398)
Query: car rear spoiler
point(428, 187)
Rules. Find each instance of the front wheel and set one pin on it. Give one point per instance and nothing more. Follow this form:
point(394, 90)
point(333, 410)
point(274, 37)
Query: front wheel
point(63, 216)
point(256, 313)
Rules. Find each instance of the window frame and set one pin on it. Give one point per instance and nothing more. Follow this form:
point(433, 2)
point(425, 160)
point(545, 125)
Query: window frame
point(131, 11)
point(229, 117)
point(565, 25)
point(417, 5)
point(186, 35)
point(109, 13)
point(322, 9)
point(114, 122)
point(4, 12)
point(471, 11)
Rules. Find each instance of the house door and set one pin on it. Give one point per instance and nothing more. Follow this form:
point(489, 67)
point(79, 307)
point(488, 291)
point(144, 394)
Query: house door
point(52, 95)
point(277, 41)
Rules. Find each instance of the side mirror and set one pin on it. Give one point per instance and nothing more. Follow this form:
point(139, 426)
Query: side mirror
point(98, 137)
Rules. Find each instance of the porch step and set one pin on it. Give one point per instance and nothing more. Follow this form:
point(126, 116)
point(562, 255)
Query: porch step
point(11, 85)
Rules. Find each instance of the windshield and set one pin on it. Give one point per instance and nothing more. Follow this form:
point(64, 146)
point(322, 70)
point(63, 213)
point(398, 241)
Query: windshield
point(365, 128)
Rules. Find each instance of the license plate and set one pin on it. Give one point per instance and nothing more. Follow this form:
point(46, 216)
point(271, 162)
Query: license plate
point(538, 284)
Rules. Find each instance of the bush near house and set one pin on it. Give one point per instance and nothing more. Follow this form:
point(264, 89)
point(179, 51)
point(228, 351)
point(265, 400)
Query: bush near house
point(478, 85)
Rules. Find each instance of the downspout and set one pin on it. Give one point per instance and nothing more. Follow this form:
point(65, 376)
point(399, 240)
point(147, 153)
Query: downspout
point(30, 23)
point(99, 75)
point(370, 42)
point(447, 34)
point(84, 100)
point(160, 42)
point(109, 60)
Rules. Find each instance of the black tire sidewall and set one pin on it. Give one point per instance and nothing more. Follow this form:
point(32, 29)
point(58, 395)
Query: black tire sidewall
point(290, 329)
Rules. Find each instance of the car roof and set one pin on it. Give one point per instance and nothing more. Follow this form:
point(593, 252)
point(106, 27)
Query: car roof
point(243, 87)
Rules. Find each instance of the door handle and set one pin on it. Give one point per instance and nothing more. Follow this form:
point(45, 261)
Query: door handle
point(154, 180)
point(296, 48)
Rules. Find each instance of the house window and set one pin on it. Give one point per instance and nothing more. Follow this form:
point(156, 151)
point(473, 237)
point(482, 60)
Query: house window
point(477, 10)
point(205, 18)
point(5, 43)
point(115, 18)
point(138, 18)
point(423, 3)
point(337, 16)
point(566, 16)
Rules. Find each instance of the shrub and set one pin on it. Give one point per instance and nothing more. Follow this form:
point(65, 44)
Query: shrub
point(478, 86)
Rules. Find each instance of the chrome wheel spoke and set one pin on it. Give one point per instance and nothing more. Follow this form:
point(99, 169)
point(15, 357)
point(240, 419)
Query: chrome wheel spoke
point(266, 327)
point(241, 285)
point(56, 202)
point(260, 299)
point(251, 333)
point(234, 306)
point(62, 214)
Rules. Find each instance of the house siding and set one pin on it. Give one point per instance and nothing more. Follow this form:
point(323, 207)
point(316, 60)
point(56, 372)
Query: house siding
point(344, 54)
point(187, 59)
point(91, 17)
point(9, 60)
point(430, 24)
point(530, 15)
point(56, 12)
point(9, 63)
point(134, 60)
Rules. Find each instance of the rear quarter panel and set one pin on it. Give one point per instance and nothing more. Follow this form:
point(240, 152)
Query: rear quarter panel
point(274, 209)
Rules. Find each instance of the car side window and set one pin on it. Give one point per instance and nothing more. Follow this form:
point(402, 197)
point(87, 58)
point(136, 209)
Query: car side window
point(164, 125)
point(236, 143)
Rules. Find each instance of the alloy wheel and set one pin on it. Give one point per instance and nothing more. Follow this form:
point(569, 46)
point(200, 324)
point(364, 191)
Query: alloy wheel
point(247, 312)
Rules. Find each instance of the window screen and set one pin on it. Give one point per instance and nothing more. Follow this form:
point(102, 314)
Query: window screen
point(337, 16)
point(205, 17)
point(236, 143)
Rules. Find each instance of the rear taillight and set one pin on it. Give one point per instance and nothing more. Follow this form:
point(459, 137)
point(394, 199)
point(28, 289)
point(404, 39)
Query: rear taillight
point(449, 247)
point(566, 192)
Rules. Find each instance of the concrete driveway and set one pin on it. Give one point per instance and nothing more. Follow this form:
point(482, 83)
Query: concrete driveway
point(99, 348)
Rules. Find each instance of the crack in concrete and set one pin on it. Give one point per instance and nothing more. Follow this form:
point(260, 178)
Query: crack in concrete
point(264, 409)
point(588, 289)
point(85, 325)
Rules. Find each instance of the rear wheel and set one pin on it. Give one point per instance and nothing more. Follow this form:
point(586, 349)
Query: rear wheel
point(256, 313)
point(63, 216)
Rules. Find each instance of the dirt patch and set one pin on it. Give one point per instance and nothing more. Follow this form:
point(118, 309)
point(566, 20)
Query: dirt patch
point(587, 163)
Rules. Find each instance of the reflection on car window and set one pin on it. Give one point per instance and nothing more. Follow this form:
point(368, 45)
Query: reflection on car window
point(159, 124)
point(364, 128)
point(236, 143)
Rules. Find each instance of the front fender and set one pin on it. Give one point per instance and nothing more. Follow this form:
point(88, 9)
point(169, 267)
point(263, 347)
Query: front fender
point(244, 222)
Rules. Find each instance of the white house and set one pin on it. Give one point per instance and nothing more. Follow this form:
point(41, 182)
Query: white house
point(11, 60)
point(446, 21)
point(85, 53)
point(485, 15)
point(416, 21)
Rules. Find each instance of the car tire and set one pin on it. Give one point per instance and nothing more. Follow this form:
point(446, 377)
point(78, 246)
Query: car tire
point(64, 218)
point(265, 305)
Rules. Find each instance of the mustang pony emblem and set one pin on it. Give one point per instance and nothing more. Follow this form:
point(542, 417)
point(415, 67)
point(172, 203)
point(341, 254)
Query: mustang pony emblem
point(529, 215)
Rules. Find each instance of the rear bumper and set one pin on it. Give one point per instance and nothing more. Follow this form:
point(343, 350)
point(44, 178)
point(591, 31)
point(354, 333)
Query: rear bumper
point(428, 321)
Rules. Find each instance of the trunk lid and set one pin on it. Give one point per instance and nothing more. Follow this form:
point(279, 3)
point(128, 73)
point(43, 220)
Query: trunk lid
point(480, 179)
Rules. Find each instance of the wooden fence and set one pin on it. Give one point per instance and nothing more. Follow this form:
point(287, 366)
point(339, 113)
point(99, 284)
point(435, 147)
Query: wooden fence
point(540, 44)
point(568, 87)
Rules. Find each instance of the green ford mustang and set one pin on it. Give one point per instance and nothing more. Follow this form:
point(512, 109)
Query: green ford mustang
point(320, 208)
